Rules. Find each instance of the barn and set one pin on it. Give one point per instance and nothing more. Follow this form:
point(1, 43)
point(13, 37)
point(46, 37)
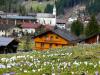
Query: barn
point(95, 38)
point(8, 45)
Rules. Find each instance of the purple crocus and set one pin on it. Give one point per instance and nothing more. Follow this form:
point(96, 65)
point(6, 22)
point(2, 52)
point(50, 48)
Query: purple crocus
point(12, 73)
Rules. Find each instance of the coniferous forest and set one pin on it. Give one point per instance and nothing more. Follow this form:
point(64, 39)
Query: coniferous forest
point(14, 5)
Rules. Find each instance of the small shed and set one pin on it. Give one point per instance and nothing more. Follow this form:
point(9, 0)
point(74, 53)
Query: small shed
point(8, 45)
point(95, 38)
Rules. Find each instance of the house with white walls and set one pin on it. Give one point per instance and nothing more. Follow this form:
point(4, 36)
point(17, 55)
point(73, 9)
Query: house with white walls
point(47, 18)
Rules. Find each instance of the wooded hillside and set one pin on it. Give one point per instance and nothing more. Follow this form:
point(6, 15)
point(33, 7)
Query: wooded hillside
point(93, 6)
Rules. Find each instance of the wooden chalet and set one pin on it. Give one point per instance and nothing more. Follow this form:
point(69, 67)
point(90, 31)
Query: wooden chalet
point(8, 45)
point(54, 38)
point(91, 39)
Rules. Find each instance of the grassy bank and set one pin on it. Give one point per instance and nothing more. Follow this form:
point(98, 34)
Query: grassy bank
point(65, 61)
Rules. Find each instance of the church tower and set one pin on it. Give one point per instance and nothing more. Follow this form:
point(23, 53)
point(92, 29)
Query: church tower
point(54, 9)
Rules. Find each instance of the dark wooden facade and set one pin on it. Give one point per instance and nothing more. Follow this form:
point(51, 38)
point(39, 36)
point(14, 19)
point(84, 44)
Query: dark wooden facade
point(92, 39)
point(9, 48)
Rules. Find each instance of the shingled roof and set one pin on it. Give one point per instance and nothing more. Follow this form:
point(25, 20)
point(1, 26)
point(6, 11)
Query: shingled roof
point(30, 25)
point(62, 33)
point(4, 41)
point(18, 17)
point(89, 37)
point(6, 27)
point(45, 15)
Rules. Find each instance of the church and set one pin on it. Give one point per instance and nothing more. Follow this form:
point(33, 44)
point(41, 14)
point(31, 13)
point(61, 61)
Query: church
point(47, 18)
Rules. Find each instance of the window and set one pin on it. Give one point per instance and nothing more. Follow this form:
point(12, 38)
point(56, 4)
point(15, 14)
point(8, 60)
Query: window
point(56, 37)
point(42, 45)
point(56, 44)
point(46, 37)
point(44, 21)
point(50, 45)
point(51, 37)
point(63, 45)
point(50, 22)
point(2, 30)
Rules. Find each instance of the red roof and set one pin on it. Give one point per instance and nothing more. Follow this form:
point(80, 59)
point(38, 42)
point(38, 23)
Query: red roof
point(30, 25)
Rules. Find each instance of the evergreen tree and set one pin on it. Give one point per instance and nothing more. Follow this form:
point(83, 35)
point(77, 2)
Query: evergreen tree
point(93, 7)
point(22, 10)
point(77, 28)
point(48, 8)
point(9, 5)
point(31, 10)
point(92, 27)
point(27, 42)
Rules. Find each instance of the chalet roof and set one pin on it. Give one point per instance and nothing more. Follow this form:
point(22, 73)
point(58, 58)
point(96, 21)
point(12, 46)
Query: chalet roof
point(63, 33)
point(4, 41)
point(6, 26)
point(17, 17)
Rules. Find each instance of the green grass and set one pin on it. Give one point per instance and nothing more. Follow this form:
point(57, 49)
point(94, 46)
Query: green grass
point(35, 4)
point(45, 62)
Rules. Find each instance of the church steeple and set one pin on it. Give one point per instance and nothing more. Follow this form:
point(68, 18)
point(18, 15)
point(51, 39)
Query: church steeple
point(54, 9)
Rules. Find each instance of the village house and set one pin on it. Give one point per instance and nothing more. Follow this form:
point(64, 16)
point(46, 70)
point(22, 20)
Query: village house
point(61, 23)
point(29, 27)
point(6, 30)
point(16, 19)
point(91, 39)
point(54, 38)
point(8, 45)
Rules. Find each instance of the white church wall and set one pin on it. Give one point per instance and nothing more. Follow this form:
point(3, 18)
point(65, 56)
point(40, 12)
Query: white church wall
point(50, 21)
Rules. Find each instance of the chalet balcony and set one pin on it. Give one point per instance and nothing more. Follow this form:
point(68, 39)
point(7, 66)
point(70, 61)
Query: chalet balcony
point(51, 40)
point(48, 40)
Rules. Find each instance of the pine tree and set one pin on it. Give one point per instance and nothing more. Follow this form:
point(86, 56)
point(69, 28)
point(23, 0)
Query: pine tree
point(77, 28)
point(92, 27)
point(48, 8)
point(93, 6)
point(22, 10)
point(27, 42)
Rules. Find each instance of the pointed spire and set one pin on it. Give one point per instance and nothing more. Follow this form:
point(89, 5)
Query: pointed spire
point(54, 9)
